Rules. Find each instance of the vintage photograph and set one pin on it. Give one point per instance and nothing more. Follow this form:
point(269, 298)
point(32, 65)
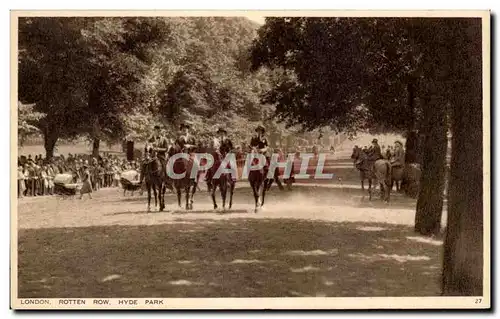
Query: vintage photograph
point(293, 156)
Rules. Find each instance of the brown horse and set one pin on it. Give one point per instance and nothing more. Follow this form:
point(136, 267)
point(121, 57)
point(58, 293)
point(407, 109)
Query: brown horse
point(187, 183)
point(361, 163)
point(259, 183)
point(397, 177)
point(224, 182)
point(379, 170)
point(154, 176)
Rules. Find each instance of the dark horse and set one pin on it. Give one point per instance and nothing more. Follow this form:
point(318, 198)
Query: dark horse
point(154, 175)
point(224, 181)
point(186, 183)
point(259, 183)
point(379, 170)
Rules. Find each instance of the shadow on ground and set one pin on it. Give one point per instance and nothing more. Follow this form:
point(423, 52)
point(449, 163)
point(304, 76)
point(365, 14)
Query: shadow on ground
point(228, 258)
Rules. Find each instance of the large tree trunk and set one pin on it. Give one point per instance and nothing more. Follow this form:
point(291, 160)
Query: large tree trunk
point(430, 200)
point(411, 147)
point(463, 246)
point(50, 139)
point(95, 147)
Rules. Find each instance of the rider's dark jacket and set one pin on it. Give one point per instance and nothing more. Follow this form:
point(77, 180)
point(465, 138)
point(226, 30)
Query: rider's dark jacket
point(259, 143)
point(183, 140)
point(225, 146)
point(375, 153)
point(159, 142)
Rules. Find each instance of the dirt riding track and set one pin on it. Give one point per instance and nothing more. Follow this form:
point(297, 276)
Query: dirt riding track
point(323, 239)
point(311, 241)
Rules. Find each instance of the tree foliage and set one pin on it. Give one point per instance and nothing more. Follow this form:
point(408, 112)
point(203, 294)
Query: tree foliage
point(26, 121)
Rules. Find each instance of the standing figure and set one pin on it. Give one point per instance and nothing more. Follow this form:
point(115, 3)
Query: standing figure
point(86, 180)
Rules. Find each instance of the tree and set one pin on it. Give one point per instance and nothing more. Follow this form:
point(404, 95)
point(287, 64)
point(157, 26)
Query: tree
point(209, 84)
point(463, 246)
point(27, 119)
point(364, 74)
point(84, 72)
point(52, 75)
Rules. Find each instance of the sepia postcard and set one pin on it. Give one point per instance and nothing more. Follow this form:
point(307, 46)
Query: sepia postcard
point(250, 160)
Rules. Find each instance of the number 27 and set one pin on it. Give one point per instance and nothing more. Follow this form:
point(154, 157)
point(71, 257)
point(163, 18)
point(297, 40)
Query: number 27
point(478, 300)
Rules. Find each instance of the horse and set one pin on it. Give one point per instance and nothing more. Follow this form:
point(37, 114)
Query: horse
point(361, 163)
point(259, 183)
point(380, 170)
point(411, 180)
point(224, 181)
point(397, 177)
point(154, 176)
point(186, 183)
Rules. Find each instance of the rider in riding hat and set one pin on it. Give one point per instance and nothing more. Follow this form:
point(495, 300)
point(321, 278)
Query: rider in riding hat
point(259, 141)
point(186, 140)
point(222, 145)
point(375, 151)
point(398, 159)
point(159, 145)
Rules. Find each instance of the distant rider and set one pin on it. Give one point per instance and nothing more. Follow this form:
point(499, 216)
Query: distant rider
point(259, 141)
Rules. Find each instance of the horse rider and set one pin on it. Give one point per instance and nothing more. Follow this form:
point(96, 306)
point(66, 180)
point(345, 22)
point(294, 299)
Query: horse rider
point(222, 145)
point(186, 141)
point(259, 141)
point(375, 152)
point(159, 146)
point(357, 150)
point(398, 159)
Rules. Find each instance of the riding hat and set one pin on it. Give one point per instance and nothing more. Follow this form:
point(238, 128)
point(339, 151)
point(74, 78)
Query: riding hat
point(375, 140)
point(260, 128)
point(398, 142)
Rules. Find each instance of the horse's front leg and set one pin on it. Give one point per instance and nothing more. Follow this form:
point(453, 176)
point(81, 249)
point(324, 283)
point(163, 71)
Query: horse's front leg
point(186, 189)
point(191, 197)
point(231, 192)
point(370, 189)
point(179, 195)
point(362, 177)
point(148, 187)
point(155, 194)
point(264, 189)
point(212, 189)
point(255, 191)
point(162, 196)
point(277, 179)
point(223, 192)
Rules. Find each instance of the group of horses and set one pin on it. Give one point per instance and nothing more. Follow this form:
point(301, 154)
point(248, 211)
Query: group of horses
point(386, 175)
point(157, 180)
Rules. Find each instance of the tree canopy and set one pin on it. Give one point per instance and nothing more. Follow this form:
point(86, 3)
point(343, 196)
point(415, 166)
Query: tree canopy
point(112, 78)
